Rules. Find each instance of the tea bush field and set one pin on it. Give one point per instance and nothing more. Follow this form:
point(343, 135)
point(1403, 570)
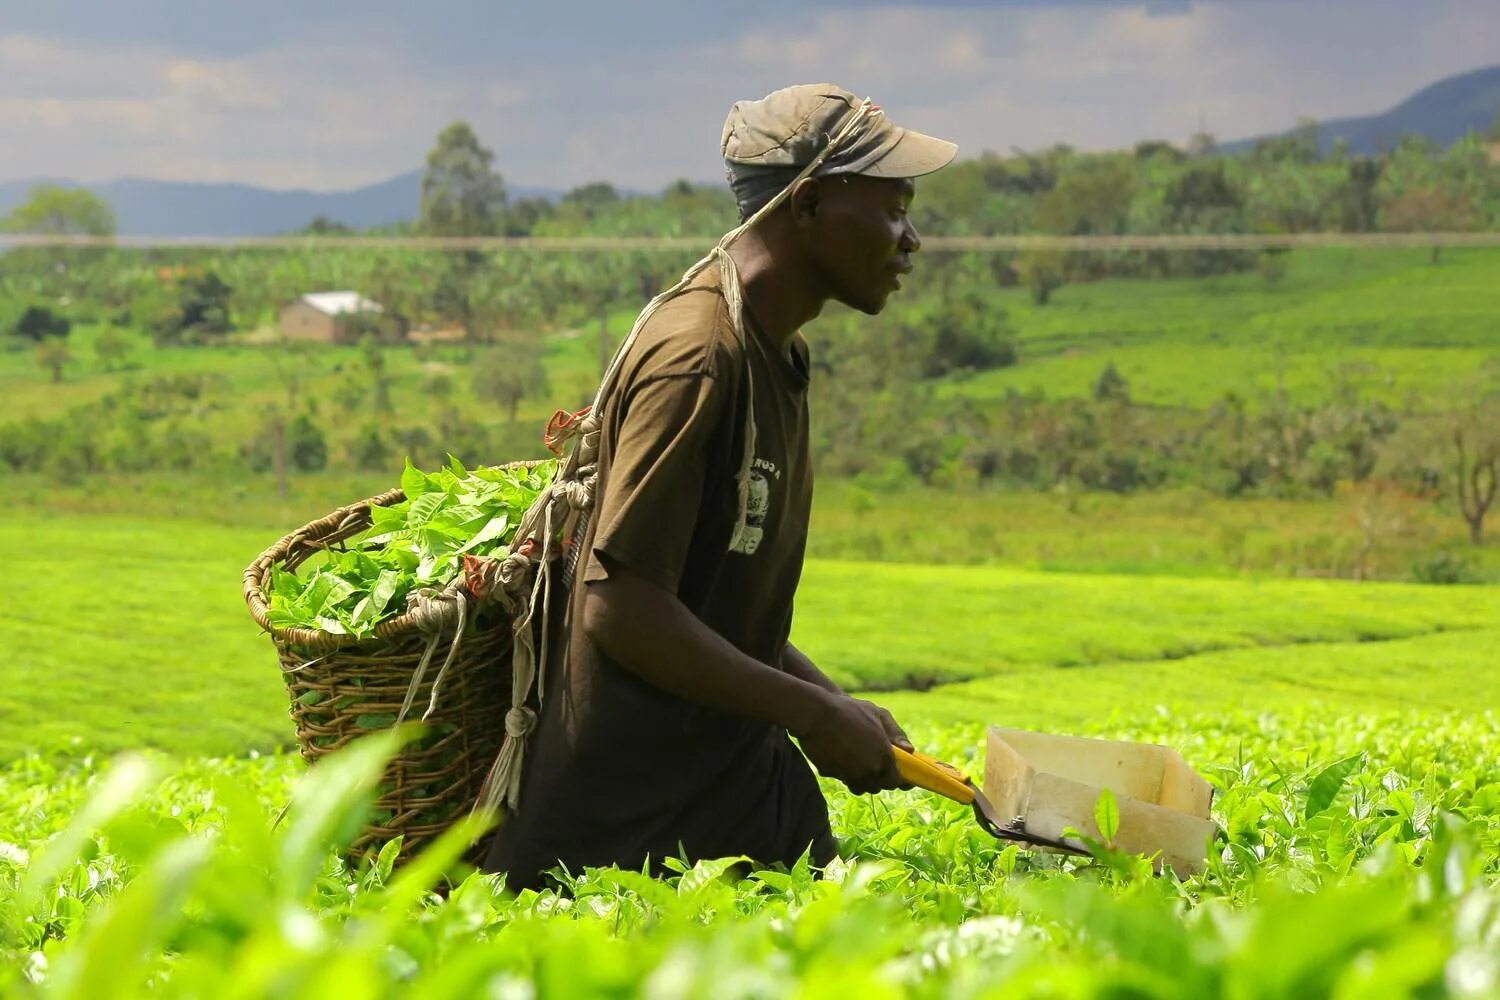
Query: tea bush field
point(1352, 733)
point(1178, 532)
point(1358, 857)
point(132, 632)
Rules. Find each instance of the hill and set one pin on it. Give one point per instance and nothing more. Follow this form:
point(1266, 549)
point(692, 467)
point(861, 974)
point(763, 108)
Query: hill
point(145, 207)
point(1443, 112)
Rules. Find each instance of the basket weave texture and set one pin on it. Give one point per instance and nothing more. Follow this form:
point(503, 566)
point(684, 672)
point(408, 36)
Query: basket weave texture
point(360, 684)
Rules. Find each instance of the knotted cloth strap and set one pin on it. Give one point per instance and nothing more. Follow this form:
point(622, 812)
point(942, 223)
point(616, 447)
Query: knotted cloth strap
point(567, 501)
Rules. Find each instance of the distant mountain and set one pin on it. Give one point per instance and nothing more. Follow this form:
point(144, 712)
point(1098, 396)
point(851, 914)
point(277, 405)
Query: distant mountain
point(1443, 112)
point(182, 208)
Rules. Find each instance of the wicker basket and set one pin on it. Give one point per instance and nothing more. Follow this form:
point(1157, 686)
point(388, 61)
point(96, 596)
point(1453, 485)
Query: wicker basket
point(360, 684)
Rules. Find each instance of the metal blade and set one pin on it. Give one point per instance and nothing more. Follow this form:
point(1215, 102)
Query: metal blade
point(1012, 829)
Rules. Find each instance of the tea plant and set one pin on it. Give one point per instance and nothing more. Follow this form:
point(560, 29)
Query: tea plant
point(1358, 858)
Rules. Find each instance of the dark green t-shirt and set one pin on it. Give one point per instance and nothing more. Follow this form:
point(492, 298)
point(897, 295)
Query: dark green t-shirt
point(619, 770)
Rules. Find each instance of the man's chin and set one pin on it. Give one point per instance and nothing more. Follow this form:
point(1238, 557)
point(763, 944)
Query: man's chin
point(872, 305)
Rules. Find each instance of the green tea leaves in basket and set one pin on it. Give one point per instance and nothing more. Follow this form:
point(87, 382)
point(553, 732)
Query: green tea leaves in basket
point(417, 543)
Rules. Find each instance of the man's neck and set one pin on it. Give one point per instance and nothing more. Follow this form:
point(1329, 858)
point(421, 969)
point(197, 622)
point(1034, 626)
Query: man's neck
point(777, 292)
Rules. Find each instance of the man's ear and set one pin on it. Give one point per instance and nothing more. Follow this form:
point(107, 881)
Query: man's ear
point(805, 199)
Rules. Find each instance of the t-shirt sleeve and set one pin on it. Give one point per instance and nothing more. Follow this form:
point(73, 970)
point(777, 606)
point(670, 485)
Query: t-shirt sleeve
point(649, 508)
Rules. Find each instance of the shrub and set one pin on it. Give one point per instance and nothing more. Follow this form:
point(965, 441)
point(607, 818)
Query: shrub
point(38, 323)
point(1444, 567)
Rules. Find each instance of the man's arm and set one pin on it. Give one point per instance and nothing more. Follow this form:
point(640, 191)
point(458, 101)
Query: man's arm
point(647, 630)
point(796, 663)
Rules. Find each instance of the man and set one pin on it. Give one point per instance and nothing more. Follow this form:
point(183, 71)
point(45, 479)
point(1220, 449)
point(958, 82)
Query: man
point(665, 728)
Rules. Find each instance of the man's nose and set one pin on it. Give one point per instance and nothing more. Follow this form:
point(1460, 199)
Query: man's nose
point(910, 242)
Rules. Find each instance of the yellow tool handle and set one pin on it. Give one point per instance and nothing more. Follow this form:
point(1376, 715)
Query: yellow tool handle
point(933, 775)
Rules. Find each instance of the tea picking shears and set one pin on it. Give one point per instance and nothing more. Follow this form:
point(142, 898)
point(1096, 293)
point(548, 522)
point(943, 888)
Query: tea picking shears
point(948, 781)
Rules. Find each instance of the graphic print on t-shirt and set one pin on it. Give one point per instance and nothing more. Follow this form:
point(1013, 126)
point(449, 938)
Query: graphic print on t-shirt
point(759, 505)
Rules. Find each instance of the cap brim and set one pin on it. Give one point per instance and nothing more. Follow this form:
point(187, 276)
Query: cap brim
point(913, 155)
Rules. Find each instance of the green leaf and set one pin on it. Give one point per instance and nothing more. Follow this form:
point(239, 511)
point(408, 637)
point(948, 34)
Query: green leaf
point(330, 805)
point(1326, 786)
point(285, 584)
point(127, 780)
point(385, 588)
point(375, 721)
point(387, 520)
point(386, 860)
point(424, 507)
point(332, 625)
point(494, 529)
point(113, 953)
point(1107, 815)
point(315, 597)
point(360, 617)
point(413, 482)
point(418, 874)
point(703, 874)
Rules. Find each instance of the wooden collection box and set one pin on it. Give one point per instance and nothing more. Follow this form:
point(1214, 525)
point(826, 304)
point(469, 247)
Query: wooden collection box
point(1043, 784)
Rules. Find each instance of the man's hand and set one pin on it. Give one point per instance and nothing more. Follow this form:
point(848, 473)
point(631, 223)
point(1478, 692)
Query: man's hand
point(851, 740)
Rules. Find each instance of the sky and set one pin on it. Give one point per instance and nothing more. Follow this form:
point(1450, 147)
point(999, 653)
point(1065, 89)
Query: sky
point(337, 94)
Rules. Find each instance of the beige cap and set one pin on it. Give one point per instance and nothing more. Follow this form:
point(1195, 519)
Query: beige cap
point(789, 127)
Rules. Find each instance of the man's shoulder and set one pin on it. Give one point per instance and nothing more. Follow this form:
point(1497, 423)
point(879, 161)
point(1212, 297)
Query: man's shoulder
point(689, 334)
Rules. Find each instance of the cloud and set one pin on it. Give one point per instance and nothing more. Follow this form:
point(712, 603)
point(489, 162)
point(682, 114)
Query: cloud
point(316, 113)
point(352, 94)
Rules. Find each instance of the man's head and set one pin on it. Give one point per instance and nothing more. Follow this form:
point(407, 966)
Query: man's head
point(848, 218)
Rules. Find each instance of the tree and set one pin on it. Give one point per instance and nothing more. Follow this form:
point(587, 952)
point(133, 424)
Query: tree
point(53, 354)
point(38, 323)
point(510, 372)
point(1297, 146)
point(295, 443)
point(1203, 199)
point(322, 225)
point(204, 301)
point(1201, 144)
point(524, 213)
point(60, 211)
point(1475, 476)
point(111, 348)
point(1359, 206)
point(966, 331)
point(1428, 209)
point(1111, 385)
point(1041, 271)
point(590, 199)
point(462, 194)
point(1152, 148)
point(1090, 199)
point(373, 356)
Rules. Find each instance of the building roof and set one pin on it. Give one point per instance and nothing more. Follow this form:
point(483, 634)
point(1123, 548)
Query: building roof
point(334, 303)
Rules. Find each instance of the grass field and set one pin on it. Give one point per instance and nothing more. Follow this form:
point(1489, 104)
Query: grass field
point(1386, 321)
point(1389, 323)
point(1174, 533)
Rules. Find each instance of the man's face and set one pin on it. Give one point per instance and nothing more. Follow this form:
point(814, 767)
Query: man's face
point(862, 239)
